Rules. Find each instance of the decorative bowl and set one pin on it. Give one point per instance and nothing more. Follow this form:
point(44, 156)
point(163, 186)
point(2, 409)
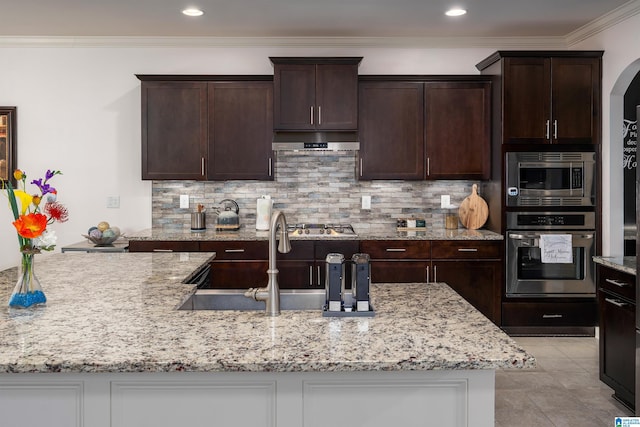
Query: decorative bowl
point(102, 241)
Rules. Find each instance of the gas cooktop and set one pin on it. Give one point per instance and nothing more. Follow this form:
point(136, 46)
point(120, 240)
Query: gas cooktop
point(319, 230)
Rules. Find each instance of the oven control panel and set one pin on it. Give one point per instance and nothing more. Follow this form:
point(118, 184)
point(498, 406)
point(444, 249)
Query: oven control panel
point(550, 220)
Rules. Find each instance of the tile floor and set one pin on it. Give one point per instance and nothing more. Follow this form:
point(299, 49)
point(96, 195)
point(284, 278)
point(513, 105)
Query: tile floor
point(564, 390)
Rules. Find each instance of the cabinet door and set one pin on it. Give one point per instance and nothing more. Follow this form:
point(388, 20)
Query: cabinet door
point(294, 90)
point(174, 130)
point(617, 345)
point(391, 128)
point(575, 96)
point(526, 101)
point(458, 130)
point(337, 96)
point(240, 130)
point(476, 281)
point(298, 274)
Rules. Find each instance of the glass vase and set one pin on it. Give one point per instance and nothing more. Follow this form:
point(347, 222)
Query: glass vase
point(27, 291)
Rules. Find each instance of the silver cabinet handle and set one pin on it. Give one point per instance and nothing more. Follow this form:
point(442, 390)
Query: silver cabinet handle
point(552, 316)
point(428, 166)
point(435, 274)
point(616, 302)
point(396, 250)
point(234, 251)
point(319, 281)
point(163, 250)
point(546, 134)
point(319, 115)
point(270, 167)
point(427, 274)
point(618, 283)
point(311, 114)
point(360, 166)
point(202, 166)
point(555, 129)
point(467, 249)
point(310, 275)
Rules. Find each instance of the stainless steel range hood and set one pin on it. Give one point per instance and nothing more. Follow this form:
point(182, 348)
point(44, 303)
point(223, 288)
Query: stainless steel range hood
point(315, 141)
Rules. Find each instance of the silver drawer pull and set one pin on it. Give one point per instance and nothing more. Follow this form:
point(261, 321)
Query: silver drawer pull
point(163, 250)
point(618, 284)
point(234, 251)
point(552, 316)
point(467, 249)
point(396, 250)
point(616, 302)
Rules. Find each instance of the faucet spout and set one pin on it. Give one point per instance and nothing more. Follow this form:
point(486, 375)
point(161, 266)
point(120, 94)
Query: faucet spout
point(271, 293)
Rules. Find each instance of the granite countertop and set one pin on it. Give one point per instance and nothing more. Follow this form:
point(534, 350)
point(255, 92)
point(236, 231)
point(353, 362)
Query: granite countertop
point(625, 264)
point(116, 312)
point(249, 233)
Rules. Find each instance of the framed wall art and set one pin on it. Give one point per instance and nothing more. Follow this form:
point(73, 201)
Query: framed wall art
point(8, 143)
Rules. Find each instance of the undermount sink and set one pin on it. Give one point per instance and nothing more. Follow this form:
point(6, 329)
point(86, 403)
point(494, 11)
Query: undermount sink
point(234, 299)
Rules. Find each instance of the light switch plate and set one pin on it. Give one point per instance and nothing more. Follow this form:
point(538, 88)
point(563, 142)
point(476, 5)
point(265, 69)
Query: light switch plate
point(184, 201)
point(445, 200)
point(366, 202)
point(113, 202)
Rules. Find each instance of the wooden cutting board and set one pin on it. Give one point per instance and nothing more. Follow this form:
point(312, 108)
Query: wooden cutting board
point(473, 210)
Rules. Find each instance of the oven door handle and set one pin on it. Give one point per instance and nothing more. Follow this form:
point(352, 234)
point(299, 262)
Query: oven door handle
point(524, 236)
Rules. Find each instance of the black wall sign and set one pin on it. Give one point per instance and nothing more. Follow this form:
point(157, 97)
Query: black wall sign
point(630, 159)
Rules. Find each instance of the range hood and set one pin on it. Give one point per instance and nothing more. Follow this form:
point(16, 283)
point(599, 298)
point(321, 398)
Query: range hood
point(315, 141)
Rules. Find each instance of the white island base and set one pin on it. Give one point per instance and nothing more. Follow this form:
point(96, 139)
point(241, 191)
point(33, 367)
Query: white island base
point(439, 398)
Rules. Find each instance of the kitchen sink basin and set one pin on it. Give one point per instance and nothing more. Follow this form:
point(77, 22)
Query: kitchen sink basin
point(234, 299)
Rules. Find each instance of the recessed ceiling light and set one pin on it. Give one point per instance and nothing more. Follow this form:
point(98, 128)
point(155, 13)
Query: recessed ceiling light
point(193, 12)
point(455, 12)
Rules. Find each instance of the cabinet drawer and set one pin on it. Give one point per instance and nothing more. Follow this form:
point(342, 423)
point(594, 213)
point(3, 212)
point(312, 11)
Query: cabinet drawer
point(447, 249)
point(550, 313)
point(396, 249)
point(346, 248)
point(399, 271)
point(300, 249)
point(617, 282)
point(163, 246)
point(237, 249)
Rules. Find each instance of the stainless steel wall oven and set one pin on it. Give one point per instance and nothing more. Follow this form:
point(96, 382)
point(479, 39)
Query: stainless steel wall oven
point(532, 271)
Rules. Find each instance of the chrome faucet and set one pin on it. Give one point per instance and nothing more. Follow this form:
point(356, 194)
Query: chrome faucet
point(271, 293)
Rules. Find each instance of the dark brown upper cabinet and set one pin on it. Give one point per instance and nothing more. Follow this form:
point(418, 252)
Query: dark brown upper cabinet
point(391, 129)
point(240, 130)
point(207, 127)
point(315, 93)
point(550, 97)
point(174, 130)
point(424, 127)
point(458, 130)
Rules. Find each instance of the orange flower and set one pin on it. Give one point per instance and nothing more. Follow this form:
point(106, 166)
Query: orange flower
point(31, 226)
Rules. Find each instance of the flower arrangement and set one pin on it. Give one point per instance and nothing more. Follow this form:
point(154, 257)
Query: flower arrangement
point(33, 213)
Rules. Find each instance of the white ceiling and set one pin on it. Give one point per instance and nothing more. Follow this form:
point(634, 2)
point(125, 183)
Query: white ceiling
point(299, 18)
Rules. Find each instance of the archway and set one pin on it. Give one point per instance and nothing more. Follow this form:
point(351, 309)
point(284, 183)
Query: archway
point(615, 199)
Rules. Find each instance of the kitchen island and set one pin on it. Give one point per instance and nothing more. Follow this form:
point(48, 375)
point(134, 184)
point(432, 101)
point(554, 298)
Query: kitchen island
point(110, 349)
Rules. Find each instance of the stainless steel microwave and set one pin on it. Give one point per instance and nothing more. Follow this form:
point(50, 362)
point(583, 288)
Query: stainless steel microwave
point(550, 178)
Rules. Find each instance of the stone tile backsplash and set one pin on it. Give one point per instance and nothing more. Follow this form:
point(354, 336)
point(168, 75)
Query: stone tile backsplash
point(311, 187)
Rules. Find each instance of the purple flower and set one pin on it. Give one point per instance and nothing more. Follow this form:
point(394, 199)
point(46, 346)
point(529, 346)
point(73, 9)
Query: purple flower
point(44, 187)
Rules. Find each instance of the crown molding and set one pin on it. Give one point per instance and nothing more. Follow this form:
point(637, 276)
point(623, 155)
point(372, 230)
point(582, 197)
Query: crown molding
point(607, 20)
point(293, 42)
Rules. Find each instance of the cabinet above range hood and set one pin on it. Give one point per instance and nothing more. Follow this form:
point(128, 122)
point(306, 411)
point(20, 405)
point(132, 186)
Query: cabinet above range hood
point(315, 141)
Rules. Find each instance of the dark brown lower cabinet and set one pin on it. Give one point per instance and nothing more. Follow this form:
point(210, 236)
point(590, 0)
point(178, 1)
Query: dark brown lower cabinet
point(616, 297)
point(477, 281)
point(398, 261)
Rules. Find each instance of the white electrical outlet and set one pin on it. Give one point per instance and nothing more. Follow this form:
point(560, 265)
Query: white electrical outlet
point(445, 201)
point(113, 202)
point(366, 202)
point(184, 201)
